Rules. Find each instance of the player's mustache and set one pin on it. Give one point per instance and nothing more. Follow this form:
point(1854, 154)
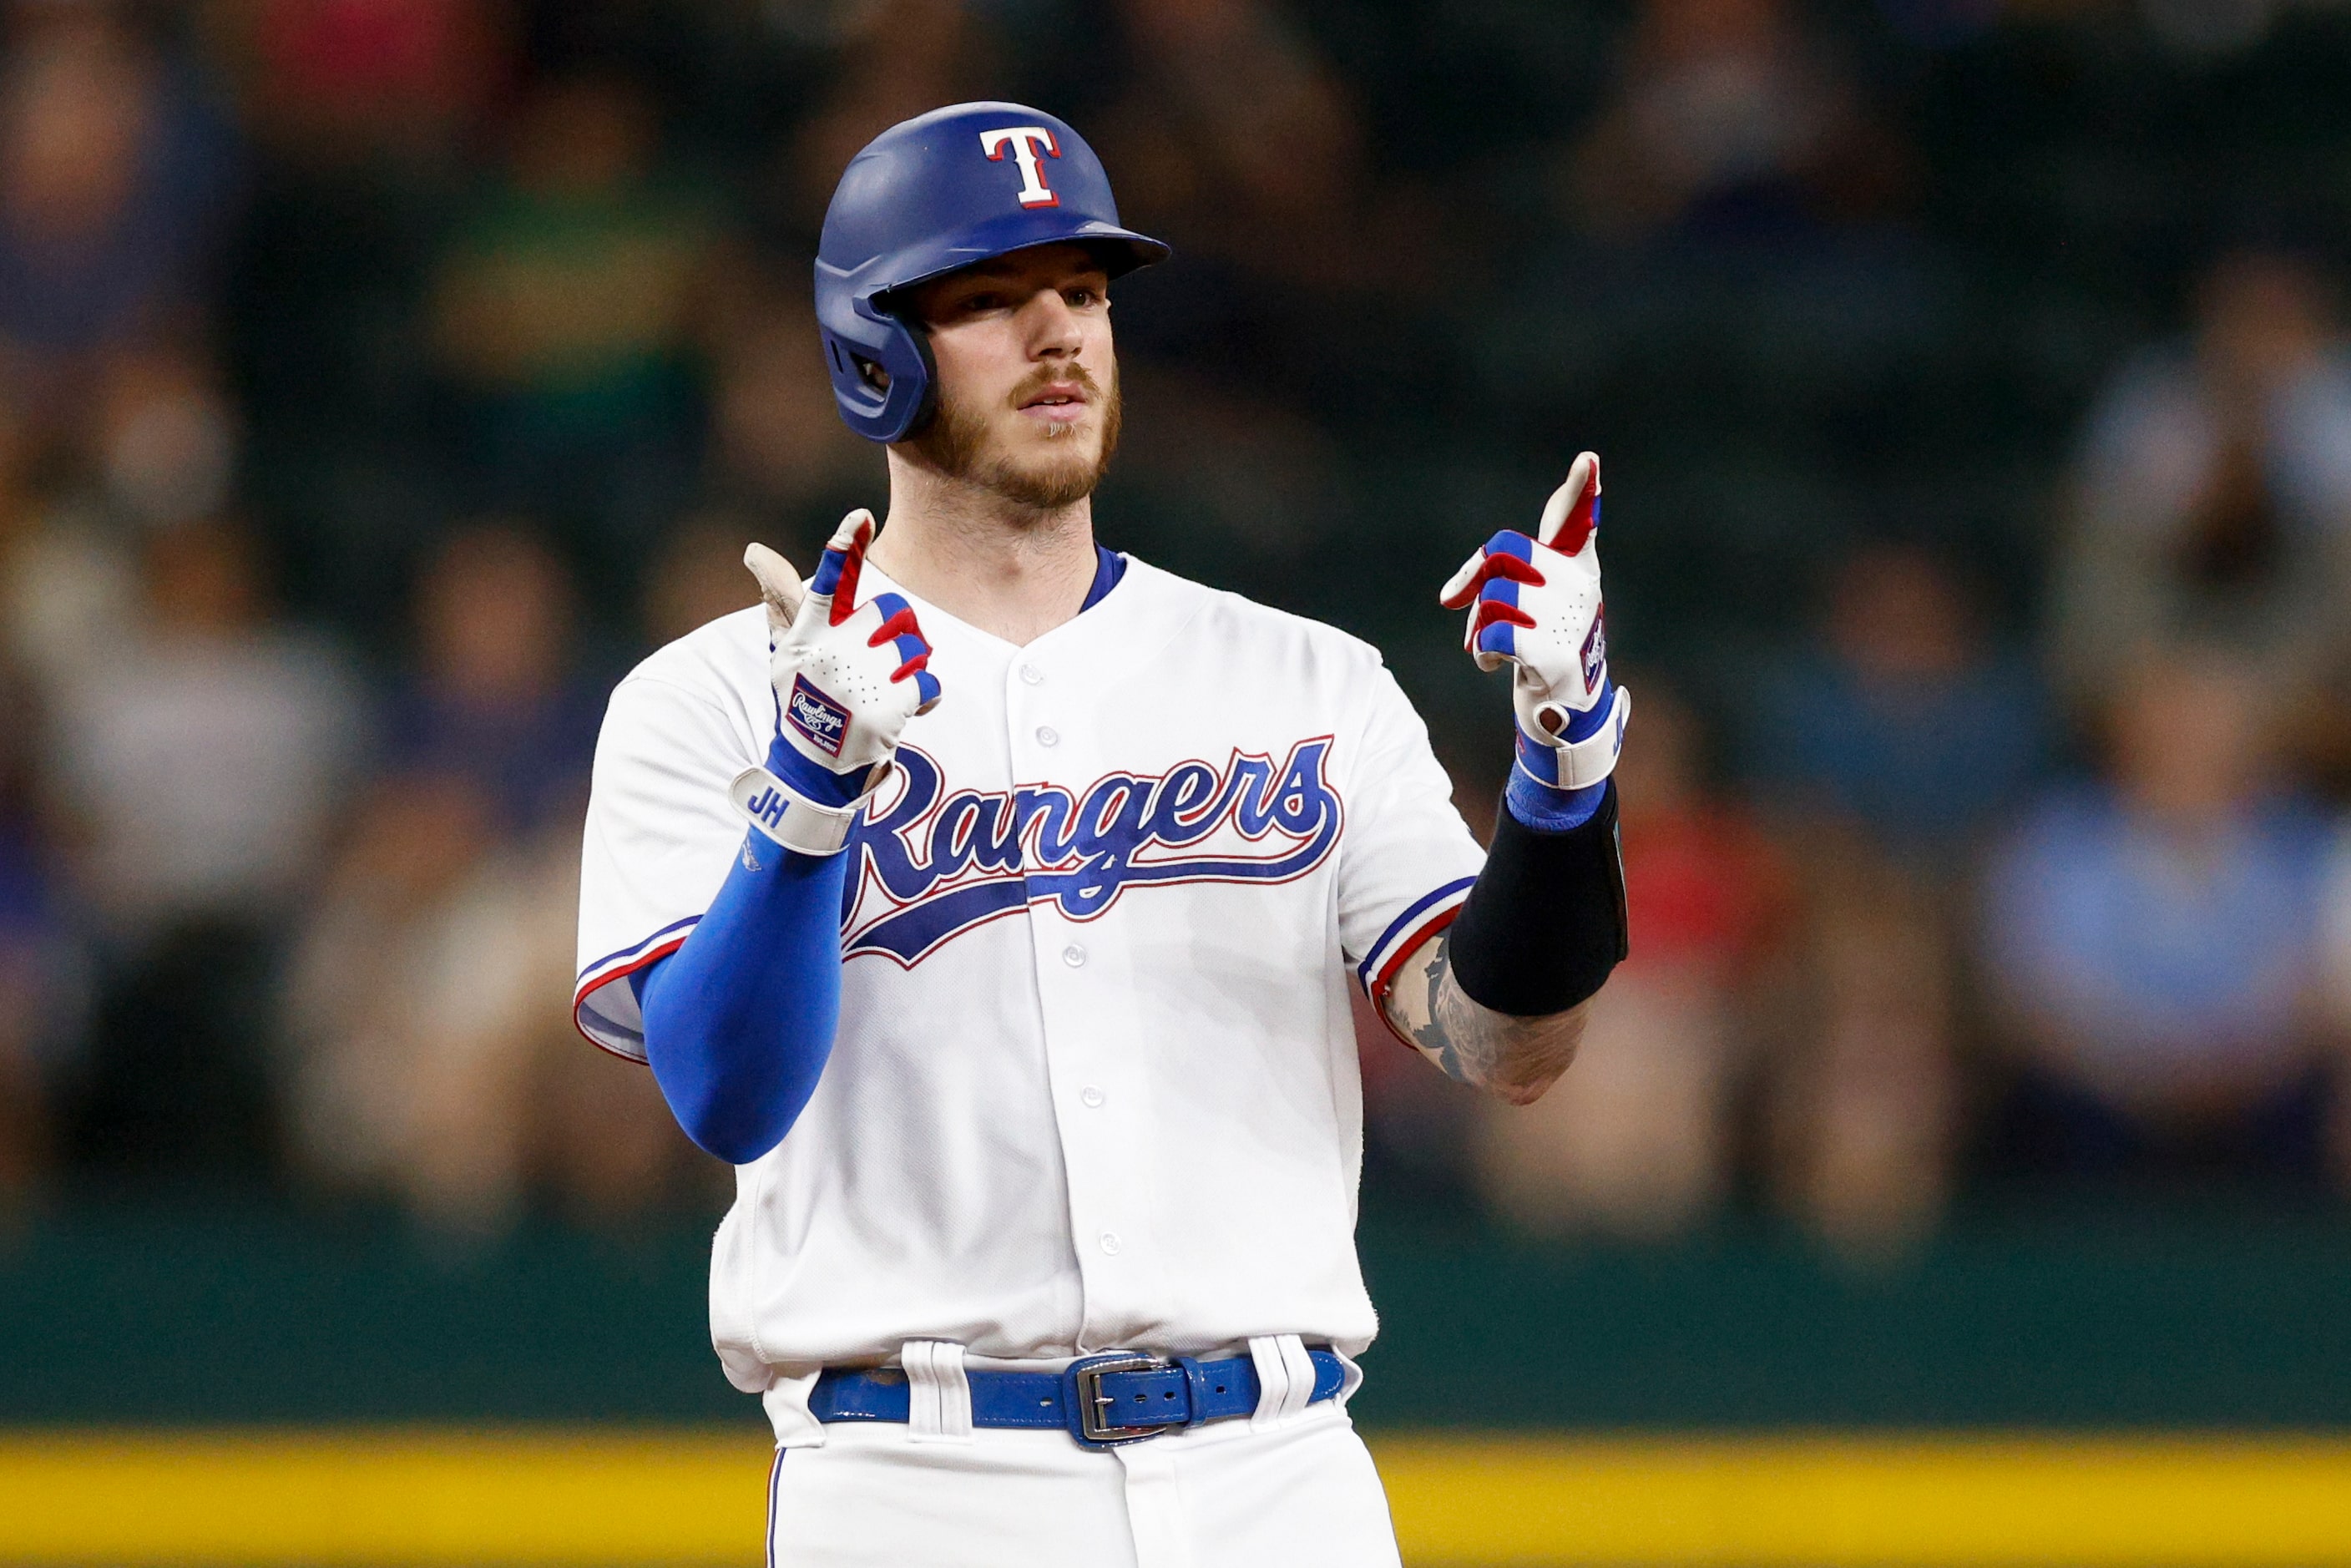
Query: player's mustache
point(1044, 376)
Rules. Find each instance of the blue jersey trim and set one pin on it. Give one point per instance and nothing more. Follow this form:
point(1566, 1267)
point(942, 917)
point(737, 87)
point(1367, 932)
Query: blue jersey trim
point(1109, 567)
point(635, 948)
point(1413, 912)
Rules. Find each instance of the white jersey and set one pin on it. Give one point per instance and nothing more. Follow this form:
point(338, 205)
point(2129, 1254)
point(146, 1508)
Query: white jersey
point(1094, 1083)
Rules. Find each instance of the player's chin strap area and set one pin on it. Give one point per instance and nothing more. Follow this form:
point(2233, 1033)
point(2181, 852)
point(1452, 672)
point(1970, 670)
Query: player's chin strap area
point(1103, 1401)
point(790, 819)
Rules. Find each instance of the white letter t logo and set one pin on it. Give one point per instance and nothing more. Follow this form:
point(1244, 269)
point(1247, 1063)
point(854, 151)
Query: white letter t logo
point(1025, 141)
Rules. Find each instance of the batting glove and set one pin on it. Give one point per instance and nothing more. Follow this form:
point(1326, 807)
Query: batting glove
point(847, 677)
point(1534, 603)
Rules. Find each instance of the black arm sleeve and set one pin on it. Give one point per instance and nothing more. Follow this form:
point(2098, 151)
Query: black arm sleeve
point(1545, 923)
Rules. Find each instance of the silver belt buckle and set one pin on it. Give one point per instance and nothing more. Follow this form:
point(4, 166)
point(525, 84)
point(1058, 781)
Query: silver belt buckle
point(1087, 1408)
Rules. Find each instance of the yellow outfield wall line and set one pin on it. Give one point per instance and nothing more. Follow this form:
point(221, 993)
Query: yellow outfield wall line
point(402, 1496)
point(1887, 1501)
point(394, 1496)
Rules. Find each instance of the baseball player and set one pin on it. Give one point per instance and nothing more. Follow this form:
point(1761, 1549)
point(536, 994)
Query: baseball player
point(989, 900)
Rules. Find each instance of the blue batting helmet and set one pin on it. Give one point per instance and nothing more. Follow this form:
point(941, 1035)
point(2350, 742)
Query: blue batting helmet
point(941, 191)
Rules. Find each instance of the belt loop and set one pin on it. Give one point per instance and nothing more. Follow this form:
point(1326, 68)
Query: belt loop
point(938, 1394)
point(1301, 1375)
point(1351, 1377)
point(1195, 1388)
point(1276, 1399)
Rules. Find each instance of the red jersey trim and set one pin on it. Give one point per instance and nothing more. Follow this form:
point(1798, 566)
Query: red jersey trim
point(1385, 980)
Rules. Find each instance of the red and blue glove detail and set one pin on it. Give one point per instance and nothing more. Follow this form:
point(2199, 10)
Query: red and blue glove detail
point(1534, 604)
point(847, 678)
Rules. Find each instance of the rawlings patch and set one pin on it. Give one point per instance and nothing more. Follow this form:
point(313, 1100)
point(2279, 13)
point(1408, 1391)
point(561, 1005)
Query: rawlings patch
point(821, 722)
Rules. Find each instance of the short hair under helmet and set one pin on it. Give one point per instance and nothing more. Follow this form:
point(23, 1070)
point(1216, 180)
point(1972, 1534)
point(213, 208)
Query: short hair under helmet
point(928, 195)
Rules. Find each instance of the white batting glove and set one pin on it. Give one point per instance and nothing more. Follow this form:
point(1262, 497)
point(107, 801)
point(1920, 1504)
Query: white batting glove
point(1535, 605)
point(847, 677)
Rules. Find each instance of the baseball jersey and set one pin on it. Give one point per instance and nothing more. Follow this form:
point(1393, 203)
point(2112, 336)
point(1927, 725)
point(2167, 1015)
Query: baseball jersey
point(1094, 1083)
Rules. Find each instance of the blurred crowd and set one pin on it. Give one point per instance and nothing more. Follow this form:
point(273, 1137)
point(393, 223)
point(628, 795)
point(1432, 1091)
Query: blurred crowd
point(380, 378)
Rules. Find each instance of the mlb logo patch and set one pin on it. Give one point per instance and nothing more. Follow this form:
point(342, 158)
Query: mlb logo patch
point(822, 721)
point(1595, 651)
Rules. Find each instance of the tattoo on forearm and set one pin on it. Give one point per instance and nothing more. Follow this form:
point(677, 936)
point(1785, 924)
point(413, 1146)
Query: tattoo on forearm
point(1516, 1058)
point(1435, 1041)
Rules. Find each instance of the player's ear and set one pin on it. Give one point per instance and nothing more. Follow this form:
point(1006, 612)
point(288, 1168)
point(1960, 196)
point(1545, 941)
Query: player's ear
point(780, 588)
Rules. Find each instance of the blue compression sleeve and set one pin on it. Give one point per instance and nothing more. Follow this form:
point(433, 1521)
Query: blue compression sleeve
point(740, 1021)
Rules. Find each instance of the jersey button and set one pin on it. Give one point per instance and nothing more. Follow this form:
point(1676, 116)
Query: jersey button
point(1074, 956)
point(1092, 1096)
point(1031, 675)
point(1047, 736)
point(1110, 1243)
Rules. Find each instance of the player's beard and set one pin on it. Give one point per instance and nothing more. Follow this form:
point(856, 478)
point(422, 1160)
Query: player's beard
point(956, 442)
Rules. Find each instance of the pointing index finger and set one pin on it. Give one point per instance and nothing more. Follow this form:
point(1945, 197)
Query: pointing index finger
point(835, 583)
point(1573, 511)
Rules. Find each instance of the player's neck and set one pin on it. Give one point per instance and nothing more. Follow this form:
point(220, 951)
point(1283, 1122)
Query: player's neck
point(1013, 571)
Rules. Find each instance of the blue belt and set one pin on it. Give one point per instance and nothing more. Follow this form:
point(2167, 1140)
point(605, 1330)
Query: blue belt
point(1103, 1401)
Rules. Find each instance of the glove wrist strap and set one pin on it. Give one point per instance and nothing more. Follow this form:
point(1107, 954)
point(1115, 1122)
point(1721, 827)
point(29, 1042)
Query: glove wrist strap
point(1579, 764)
point(790, 818)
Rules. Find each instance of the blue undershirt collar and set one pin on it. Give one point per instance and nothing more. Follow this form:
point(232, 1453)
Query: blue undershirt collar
point(1109, 567)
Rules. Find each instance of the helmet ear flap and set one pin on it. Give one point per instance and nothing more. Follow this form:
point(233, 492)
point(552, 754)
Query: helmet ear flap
point(861, 340)
point(919, 380)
